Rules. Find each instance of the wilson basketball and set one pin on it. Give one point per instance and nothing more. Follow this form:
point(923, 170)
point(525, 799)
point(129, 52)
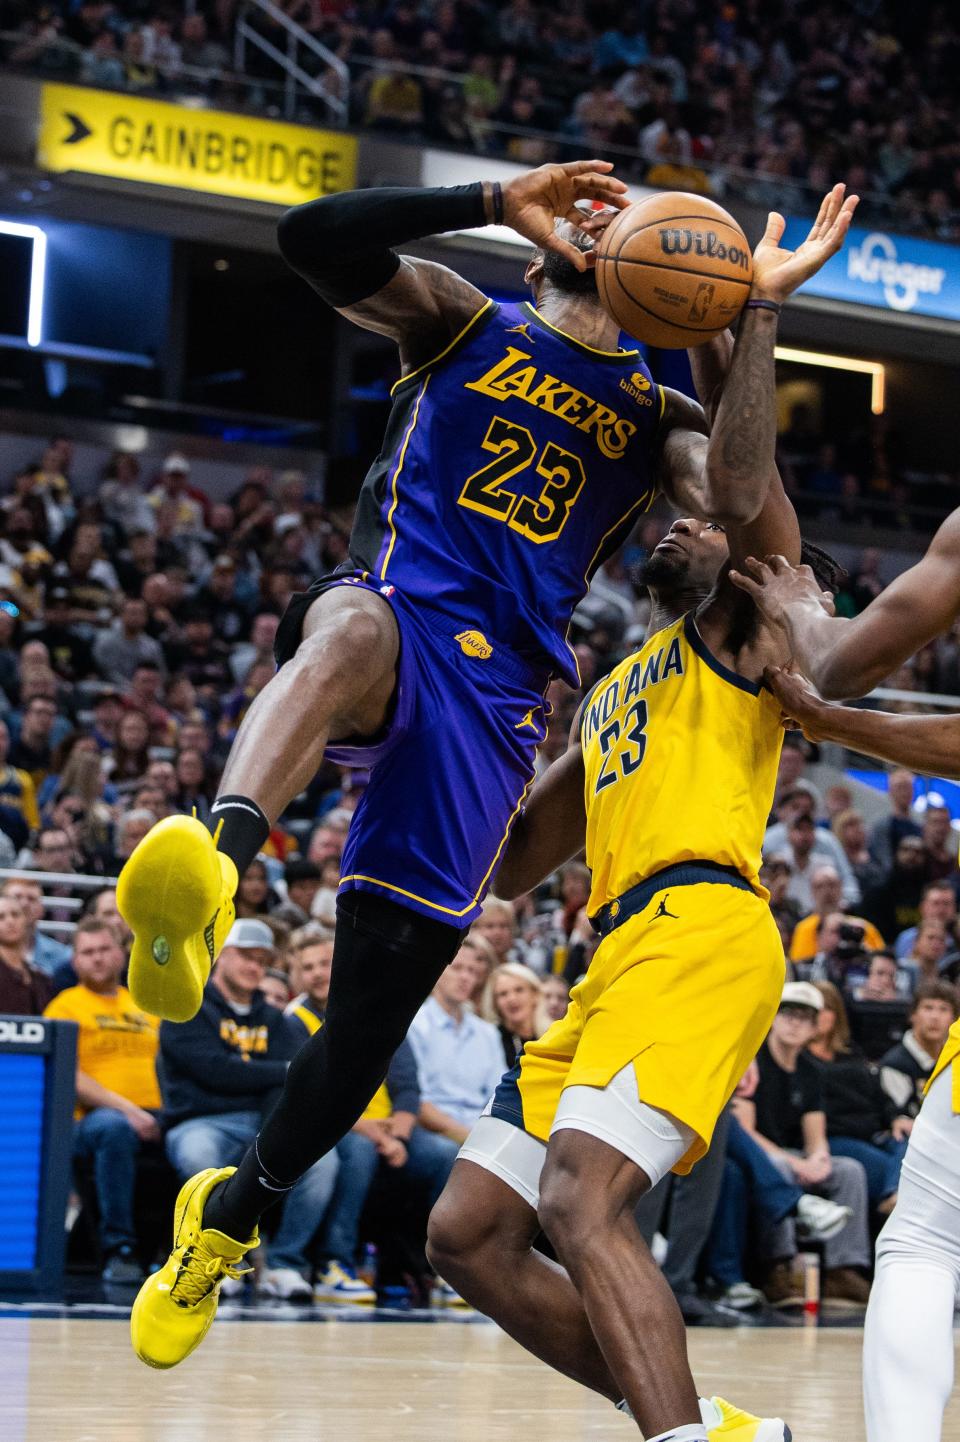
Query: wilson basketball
point(674, 270)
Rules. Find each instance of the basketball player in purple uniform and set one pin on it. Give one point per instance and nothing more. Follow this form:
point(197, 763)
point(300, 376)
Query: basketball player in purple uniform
point(522, 447)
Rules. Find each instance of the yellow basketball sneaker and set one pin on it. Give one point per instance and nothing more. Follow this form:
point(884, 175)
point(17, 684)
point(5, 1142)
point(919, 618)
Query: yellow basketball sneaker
point(175, 1306)
point(176, 894)
point(726, 1423)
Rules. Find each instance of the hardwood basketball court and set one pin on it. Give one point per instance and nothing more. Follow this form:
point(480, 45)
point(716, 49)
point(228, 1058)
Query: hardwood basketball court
point(67, 1380)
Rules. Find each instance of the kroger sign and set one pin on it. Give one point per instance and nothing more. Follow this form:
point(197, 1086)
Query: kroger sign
point(893, 272)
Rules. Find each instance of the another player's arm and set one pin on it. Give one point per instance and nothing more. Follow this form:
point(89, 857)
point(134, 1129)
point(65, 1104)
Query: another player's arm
point(342, 245)
point(849, 657)
point(723, 479)
point(929, 744)
point(550, 829)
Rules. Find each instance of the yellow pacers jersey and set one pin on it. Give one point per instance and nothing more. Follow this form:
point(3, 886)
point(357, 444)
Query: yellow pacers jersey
point(681, 759)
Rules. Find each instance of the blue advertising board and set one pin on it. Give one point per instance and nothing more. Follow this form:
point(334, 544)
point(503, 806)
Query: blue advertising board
point(890, 272)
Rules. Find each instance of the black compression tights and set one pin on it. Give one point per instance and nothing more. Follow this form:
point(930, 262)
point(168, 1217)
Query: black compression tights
point(386, 959)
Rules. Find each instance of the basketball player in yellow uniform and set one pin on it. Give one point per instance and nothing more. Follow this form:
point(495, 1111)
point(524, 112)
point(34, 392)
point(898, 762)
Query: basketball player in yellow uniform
point(671, 771)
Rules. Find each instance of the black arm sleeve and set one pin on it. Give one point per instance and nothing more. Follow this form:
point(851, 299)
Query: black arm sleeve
point(341, 243)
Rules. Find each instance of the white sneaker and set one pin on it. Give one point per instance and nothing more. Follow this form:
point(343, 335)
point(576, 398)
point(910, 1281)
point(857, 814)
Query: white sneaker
point(742, 1297)
point(341, 1284)
point(818, 1219)
point(286, 1284)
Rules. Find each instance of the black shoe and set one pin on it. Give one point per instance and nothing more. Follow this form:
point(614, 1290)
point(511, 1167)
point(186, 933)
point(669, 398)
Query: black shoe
point(696, 1311)
point(122, 1267)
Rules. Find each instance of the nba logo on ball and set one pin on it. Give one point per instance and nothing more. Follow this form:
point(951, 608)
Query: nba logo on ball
point(674, 270)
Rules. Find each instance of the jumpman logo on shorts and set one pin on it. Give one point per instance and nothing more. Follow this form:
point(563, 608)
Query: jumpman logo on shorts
point(662, 910)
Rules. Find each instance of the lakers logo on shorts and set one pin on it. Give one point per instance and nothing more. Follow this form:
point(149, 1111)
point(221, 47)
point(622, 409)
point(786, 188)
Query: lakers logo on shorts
point(475, 643)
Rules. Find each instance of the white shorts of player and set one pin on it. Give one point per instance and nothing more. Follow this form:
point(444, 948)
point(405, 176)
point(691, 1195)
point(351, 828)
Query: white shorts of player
point(908, 1341)
point(652, 1139)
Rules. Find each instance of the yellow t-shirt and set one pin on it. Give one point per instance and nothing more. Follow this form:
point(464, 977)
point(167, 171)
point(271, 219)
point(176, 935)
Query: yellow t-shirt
point(803, 943)
point(117, 1044)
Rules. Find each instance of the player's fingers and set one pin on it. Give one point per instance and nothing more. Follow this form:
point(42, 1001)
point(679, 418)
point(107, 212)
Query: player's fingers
point(601, 187)
point(568, 251)
point(758, 569)
point(778, 564)
point(776, 225)
point(817, 225)
point(580, 167)
point(746, 583)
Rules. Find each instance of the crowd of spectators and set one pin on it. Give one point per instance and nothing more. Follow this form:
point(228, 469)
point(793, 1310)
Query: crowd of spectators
point(692, 94)
point(136, 626)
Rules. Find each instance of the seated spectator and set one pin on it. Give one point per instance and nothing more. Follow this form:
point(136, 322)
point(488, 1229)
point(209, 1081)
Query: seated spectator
point(886, 834)
point(103, 905)
point(905, 1069)
point(775, 873)
point(24, 990)
point(938, 903)
point(849, 828)
point(841, 956)
point(254, 894)
point(200, 655)
point(883, 980)
point(32, 749)
point(259, 649)
point(16, 786)
point(130, 756)
point(459, 1056)
point(807, 845)
point(387, 1133)
point(513, 1001)
point(940, 844)
point(41, 950)
point(130, 831)
point(894, 904)
point(556, 998)
point(195, 785)
point(118, 651)
point(117, 1091)
point(862, 1120)
point(303, 880)
point(922, 963)
point(827, 890)
point(276, 985)
point(144, 694)
point(497, 924)
point(222, 1072)
point(786, 1118)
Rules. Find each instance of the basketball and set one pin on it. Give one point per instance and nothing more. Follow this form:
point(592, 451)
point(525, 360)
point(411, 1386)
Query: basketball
point(674, 270)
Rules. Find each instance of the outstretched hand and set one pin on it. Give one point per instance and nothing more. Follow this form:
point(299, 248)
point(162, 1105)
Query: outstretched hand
point(803, 707)
point(775, 585)
point(532, 203)
point(778, 272)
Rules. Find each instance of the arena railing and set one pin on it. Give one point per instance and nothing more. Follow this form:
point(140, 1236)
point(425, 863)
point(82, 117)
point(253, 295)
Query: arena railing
point(75, 880)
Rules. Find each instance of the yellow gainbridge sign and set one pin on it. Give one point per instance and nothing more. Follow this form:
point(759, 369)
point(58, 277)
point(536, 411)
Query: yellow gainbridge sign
point(103, 133)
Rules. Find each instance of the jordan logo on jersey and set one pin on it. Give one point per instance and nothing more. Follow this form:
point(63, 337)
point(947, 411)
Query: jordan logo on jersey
point(662, 910)
point(523, 330)
point(527, 721)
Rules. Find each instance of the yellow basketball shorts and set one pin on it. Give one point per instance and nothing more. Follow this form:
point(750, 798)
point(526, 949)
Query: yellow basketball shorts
point(685, 990)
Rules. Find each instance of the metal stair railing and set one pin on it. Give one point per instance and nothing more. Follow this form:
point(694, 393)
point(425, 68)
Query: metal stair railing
point(288, 59)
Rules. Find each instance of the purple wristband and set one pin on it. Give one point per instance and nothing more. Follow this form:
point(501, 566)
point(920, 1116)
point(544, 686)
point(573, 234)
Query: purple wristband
point(764, 305)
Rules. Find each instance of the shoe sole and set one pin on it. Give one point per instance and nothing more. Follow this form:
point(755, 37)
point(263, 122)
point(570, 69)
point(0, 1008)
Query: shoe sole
point(170, 897)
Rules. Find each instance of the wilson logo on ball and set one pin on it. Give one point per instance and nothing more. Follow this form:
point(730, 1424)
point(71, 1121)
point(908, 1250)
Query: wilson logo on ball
point(680, 240)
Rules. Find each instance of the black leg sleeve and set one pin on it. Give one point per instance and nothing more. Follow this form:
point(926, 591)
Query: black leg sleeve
point(386, 960)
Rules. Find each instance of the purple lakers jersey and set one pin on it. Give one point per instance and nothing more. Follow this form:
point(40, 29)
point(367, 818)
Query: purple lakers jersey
point(512, 465)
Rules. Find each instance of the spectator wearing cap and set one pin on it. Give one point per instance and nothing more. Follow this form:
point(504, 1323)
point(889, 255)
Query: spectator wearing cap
point(827, 889)
point(24, 990)
point(222, 1071)
point(119, 651)
point(303, 880)
point(894, 904)
point(905, 1069)
point(41, 951)
point(796, 803)
point(786, 1117)
point(118, 1096)
point(200, 655)
point(70, 653)
point(171, 493)
point(886, 834)
point(220, 596)
point(938, 903)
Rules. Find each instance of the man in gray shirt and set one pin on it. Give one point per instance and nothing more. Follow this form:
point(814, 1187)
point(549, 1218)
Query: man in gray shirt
point(118, 652)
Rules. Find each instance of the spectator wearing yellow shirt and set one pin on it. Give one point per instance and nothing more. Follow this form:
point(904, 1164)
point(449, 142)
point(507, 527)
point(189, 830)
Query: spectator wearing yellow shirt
point(826, 884)
point(117, 1089)
point(16, 786)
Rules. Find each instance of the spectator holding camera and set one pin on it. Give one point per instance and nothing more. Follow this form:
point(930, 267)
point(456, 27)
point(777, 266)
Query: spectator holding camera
point(222, 1071)
point(117, 1092)
point(842, 957)
point(786, 1117)
point(827, 888)
point(905, 1069)
point(863, 1122)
